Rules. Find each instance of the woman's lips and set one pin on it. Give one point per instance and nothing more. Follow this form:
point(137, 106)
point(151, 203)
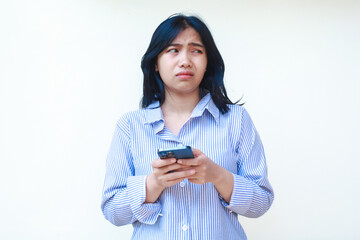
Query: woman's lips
point(185, 75)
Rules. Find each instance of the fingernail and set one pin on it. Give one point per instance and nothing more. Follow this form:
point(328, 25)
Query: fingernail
point(179, 161)
point(192, 171)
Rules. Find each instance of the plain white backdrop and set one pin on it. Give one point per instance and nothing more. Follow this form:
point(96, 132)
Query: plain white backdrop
point(70, 69)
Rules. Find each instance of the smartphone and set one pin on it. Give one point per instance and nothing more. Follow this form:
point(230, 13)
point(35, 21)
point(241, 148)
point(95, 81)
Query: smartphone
point(177, 152)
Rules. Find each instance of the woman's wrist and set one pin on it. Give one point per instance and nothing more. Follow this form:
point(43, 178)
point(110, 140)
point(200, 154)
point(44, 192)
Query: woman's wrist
point(153, 188)
point(219, 177)
point(224, 183)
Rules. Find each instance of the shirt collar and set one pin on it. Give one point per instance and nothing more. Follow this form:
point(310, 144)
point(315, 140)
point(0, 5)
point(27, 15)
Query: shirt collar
point(206, 103)
point(154, 116)
point(154, 113)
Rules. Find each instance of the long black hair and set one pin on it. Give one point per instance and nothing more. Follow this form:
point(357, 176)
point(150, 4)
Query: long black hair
point(166, 32)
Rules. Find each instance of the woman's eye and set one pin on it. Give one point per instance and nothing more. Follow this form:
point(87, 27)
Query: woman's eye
point(197, 51)
point(172, 50)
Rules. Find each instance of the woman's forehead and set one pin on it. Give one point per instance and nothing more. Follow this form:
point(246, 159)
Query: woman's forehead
point(188, 35)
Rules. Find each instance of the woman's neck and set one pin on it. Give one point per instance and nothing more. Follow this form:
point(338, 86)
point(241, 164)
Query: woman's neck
point(177, 109)
point(180, 104)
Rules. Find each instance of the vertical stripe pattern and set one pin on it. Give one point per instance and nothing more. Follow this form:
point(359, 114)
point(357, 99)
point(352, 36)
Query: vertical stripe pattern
point(186, 210)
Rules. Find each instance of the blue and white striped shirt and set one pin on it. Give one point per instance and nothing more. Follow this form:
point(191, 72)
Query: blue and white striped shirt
point(186, 210)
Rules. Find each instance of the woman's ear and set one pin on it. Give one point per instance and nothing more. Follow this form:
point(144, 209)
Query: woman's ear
point(156, 68)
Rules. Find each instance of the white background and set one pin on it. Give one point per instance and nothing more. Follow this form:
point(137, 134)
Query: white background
point(69, 69)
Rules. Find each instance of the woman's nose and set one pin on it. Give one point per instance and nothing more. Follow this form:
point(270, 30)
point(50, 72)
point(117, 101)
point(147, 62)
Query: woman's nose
point(185, 61)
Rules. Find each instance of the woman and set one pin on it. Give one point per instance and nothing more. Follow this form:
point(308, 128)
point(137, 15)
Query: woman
point(185, 103)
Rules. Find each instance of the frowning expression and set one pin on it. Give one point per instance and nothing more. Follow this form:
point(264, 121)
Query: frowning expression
point(182, 64)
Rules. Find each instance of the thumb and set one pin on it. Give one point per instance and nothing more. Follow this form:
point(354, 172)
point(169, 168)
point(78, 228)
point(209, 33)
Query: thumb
point(196, 152)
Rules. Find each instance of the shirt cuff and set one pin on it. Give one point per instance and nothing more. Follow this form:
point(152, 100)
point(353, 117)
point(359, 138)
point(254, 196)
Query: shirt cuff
point(146, 213)
point(241, 195)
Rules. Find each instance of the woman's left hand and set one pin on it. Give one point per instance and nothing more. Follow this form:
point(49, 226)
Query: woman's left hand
point(205, 169)
point(208, 171)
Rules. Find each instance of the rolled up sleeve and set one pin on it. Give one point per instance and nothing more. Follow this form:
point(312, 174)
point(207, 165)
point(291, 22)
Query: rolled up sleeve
point(252, 193)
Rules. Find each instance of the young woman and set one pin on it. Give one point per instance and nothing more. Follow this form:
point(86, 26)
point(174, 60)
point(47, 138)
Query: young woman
point(185, 103)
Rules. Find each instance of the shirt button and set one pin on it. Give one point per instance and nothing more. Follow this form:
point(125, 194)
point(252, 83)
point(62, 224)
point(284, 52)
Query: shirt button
point(182, 184)
point(184, 227)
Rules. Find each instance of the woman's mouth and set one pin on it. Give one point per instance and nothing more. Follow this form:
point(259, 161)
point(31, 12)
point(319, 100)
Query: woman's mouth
point(185, 75)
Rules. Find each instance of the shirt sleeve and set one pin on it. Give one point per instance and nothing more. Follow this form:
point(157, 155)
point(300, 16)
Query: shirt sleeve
point(124, 193)
point(252, 193)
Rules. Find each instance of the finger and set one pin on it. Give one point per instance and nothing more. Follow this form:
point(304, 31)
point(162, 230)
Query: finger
point(196, 152)
point(190, 161)
point(192, 179)
point(183, 168)
point(196, 181)
point(173, 182)
point(172, 167)
point(159, 163)
point(178, 175)
point(195, 176)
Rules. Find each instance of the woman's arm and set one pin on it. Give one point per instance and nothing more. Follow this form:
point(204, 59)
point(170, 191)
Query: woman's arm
point(248, 192)
point(124, 193)
point(128, 198)
point(252, 195)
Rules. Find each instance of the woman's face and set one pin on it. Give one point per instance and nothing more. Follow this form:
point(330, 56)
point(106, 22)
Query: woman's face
point(182, 64)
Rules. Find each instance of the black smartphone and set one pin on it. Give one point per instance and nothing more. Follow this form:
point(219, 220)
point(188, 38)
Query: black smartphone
point(177, 152)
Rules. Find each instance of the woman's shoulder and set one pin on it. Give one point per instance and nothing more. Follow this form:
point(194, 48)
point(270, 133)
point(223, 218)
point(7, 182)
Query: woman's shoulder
point(235, 109)
point(132, 117)
point(238, 114)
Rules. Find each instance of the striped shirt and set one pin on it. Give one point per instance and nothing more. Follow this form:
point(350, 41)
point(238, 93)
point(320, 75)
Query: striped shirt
point(186, 210)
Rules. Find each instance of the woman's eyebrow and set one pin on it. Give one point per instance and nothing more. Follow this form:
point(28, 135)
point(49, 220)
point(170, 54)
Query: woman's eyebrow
point(174, 44)
point(196, 44)
point(191, 43)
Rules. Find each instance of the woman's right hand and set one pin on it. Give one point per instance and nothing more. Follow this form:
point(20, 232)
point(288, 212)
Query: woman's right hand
point(166, 173)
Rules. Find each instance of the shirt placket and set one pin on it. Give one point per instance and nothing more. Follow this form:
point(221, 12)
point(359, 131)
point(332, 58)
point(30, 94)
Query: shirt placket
point(185, 186)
